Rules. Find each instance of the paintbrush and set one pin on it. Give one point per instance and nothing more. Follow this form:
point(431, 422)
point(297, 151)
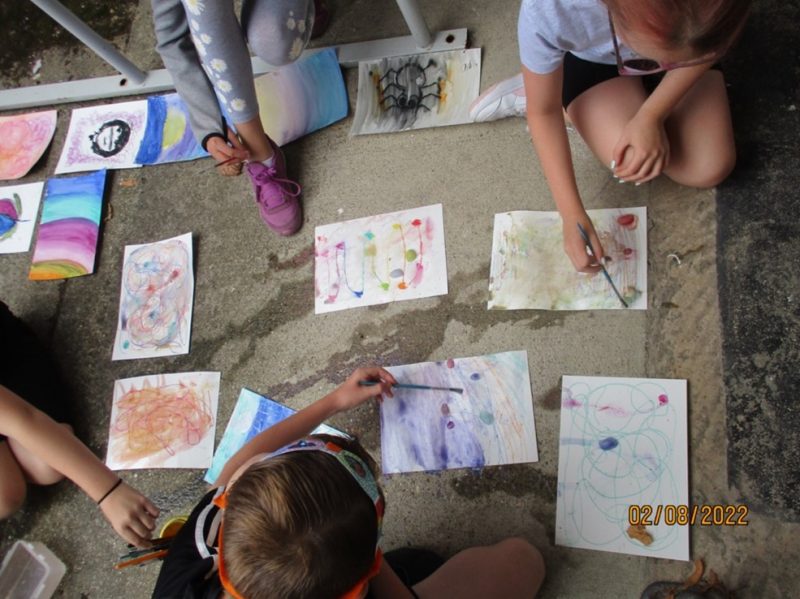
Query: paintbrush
point(600, 262)
point(224, 162)
point(412, 386)
point(142, 559)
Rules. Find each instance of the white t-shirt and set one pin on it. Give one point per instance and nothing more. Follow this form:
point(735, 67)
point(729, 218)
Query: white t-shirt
point(548, 29)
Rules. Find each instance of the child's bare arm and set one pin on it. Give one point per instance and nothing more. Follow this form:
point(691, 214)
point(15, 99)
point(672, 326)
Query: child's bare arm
point(348, 395)
point(130, 513)
point(546, 124)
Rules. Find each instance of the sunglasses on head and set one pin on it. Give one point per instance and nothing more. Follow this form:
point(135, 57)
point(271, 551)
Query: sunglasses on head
point(639, 66)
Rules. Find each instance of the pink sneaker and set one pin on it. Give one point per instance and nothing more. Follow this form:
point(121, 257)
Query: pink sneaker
point(504, 99)
point(276, 195)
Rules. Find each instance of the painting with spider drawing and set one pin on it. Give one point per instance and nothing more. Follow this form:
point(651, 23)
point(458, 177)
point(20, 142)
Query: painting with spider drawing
point(415, 92)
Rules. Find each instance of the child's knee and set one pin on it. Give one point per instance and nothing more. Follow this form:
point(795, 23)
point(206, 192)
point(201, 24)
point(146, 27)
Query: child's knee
point(278, 37)
point(708, 173)
point(528, 560)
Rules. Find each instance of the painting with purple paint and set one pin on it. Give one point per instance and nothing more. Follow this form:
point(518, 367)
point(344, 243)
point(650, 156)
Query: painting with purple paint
point(623, 442)
point(380, 259)
point(168, 136)
point(489, 424)
point(105, 136)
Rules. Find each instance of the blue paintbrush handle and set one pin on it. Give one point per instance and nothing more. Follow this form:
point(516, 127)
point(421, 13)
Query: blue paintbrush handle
point(412, 386)
point(588, 243)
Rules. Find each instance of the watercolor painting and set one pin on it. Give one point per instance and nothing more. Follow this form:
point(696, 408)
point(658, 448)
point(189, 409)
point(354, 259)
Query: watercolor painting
point(23, 140)
point(156, 299)
point(69, 227)
point(168, 136)
point(415, 92)
point(302, 97)
point(19, 205)
point(380, 259)
point(105, 136)
point(530, 269)
point(163, 421)
point(489, 424)
point(252, 414)
point(623, 442)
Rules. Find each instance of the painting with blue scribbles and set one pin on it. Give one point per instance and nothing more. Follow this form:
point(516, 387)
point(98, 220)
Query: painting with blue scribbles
point(623, 445)
point(252, 414)
point(489, 424)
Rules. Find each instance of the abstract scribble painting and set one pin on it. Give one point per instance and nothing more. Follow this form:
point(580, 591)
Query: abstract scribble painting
point(623, 443)
point(414, 92)
point(163, 421)
point(168, 136)
point(530, 269)
point(23, 140)
point(302, 97)
point(155, 303)
point(69, 227)
point(489, 424)
point(105, 136)
point(252, 414)
point(19, 205)
point(380, 259)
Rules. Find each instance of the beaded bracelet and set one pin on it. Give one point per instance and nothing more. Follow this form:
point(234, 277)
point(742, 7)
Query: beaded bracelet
point(110, 491)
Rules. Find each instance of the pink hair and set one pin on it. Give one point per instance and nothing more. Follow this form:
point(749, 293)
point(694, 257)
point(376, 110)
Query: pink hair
point(702, 25)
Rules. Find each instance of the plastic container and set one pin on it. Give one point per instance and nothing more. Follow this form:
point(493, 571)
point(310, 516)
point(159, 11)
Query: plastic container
point(30, 571)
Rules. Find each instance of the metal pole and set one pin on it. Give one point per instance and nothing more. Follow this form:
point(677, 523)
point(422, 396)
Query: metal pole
point(64, 17)
point(416, 23)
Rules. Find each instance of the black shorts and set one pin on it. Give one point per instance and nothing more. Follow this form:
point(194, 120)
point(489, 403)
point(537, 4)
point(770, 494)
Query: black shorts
point(27, 369)
point(580, 75)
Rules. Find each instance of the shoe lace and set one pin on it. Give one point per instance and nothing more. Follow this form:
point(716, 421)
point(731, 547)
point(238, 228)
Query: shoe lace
point(270, 176)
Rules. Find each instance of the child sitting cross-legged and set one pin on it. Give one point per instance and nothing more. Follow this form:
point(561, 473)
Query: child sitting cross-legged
point(298, 516)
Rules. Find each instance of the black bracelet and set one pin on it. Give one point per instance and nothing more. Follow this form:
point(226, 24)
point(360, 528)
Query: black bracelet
point(110, 491)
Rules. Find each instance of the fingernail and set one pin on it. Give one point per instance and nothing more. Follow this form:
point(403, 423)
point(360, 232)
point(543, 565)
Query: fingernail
point(638, 183)
point(613, 164)
point(622, 181)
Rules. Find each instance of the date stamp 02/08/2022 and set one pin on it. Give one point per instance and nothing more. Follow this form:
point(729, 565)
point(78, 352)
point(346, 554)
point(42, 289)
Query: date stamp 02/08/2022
point(688, 515)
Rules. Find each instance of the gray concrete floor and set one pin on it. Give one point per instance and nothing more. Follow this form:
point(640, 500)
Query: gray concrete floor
point(254, 322)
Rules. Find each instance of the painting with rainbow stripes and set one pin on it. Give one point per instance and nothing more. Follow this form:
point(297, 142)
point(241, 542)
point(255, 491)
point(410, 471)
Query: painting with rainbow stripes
point(380, 259)
point(69, 227)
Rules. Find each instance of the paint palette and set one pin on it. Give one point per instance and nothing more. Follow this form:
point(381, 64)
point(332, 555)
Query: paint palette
point(489, 424)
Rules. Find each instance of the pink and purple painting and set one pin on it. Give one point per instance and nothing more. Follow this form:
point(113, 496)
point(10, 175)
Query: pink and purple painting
point(23, 140)
point(69, 227)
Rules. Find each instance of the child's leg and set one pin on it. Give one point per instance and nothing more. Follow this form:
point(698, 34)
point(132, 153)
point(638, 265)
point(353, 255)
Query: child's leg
point(12, 482)
point(602, 112)
point(702, 150)
point(33, 469)
point(278, 30)
point(511, 568)
point(223, 52)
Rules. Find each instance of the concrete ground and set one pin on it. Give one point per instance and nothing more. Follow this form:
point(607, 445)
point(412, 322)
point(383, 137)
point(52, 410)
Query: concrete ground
point(254, 322)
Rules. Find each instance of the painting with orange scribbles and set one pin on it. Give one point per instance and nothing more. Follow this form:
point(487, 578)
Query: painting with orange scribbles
point(163, 421)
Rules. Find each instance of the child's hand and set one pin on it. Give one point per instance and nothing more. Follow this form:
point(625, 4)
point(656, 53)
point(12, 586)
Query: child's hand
point(221, 150)
point(575, 246)
point(350, 394)
point(642, 151)
point(131, 514)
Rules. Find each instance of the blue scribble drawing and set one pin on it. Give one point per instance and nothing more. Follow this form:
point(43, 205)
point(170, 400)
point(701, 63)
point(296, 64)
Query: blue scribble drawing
point(622, 443)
